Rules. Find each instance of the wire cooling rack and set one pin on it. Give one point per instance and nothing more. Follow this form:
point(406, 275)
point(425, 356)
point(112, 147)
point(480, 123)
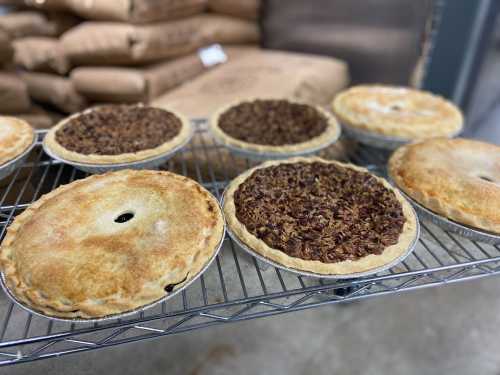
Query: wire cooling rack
point(236, 287)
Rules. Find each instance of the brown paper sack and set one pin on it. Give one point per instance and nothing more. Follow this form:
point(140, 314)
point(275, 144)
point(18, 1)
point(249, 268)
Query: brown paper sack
point(6, 49)
point(253, 73)
point(248, 9)
point(14, 96)
point(34, 23)
point(58, 5)
point(133, 11)
point(39, 118)
point(112, 84)
point(54, 90)
point(136, 11)
point(106, 43)
point(40, 54)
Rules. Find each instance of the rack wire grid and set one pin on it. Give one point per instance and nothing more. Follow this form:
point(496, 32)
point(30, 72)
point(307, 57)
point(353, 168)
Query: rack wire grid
point(236, 287)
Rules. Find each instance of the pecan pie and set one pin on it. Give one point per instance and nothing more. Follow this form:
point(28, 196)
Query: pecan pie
point(110, 243)
point(274, 126)
point(457, 178)
point(16, 136)
point(397, 112)
point(320, 216)
point(117, 134)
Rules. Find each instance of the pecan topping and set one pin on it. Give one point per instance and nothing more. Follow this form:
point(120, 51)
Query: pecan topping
point(319, 211)
point(118, 129)
point(273, 122)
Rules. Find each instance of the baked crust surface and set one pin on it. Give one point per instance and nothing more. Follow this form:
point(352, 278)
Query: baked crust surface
point(398, 112)
point(457, 178)
point(59, 150)
point(346, 267)
point(16, 136)
point(68, 255)
point(329, 135)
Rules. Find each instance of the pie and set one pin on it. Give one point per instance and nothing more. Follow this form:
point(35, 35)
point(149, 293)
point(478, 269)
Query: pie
point(117, 134)
point(320, 216)
point(456, 178)
point(274, 126)
point(16, 136)
point(399, 112)
point(110, 243)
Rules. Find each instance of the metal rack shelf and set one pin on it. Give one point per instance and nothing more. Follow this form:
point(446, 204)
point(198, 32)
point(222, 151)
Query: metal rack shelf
point(236, 287)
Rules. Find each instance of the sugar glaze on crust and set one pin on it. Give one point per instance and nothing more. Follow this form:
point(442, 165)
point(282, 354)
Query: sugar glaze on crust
point(363, 264)
point(57, 149)
point(16, 136)
point(66, 255)
point(398, 112)
point(457, 178)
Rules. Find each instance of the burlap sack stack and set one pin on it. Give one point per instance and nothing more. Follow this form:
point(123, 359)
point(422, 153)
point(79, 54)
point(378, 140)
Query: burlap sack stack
point(28, 40)
point(70, 54)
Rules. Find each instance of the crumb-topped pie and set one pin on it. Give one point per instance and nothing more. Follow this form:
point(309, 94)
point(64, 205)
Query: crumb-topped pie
point(117, 134)
point(16, 136)
point(110, 243)
point(399, 112)
point(320, 216)
point(274, 126)
point(456, 178)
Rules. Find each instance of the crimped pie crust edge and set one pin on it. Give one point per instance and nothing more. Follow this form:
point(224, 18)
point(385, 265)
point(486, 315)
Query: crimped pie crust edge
point(363, 264)
point(59, 150)
point(25, 139)
point(90, 310)
point(329, 135)
point(397, 163)
point(448, 128)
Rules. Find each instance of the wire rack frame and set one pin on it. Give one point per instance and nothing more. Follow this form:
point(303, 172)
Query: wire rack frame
point(236, 287)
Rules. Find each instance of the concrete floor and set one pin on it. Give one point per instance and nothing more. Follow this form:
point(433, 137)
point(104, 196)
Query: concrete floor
point(453, 329)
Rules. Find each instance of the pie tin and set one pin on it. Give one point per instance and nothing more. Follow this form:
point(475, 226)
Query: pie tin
point(150, 163)
point(452, 226)
point(373, 139)
point(259, 155)
point(378, 140)
point(108, 318)
point(370, 272)
point(9, 167)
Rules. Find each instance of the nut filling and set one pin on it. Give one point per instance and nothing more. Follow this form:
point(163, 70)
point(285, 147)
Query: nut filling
point(119, 129)
point(319, 211)
point(272, 122)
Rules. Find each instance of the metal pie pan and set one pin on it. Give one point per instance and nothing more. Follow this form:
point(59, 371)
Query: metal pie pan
point(150, 163)
point(9, 167)
point(378, 140)
point(373, 271)
point(373, 139)
point(259, 155)
point(452, 226)
point(108, 318)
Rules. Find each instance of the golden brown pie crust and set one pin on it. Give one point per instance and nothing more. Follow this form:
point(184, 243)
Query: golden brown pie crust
point(457, 178)
point(59, 150)
point(16, 136)
point(398, 112)
point(66, 256)
point(363, 264)
point(329, 135)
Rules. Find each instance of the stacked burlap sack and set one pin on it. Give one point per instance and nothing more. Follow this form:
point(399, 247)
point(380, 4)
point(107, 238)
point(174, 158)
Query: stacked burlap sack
point(69, 54)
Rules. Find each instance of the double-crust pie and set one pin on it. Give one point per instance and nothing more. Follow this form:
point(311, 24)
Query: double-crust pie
point(110, 243)
point(320, 216)
point(16, 136)
point(113, 134)
point(456, 178)
point(276, 126)
point(398, 112)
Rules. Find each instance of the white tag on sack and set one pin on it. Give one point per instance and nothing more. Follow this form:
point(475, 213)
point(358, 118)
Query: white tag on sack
point(212, 55)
